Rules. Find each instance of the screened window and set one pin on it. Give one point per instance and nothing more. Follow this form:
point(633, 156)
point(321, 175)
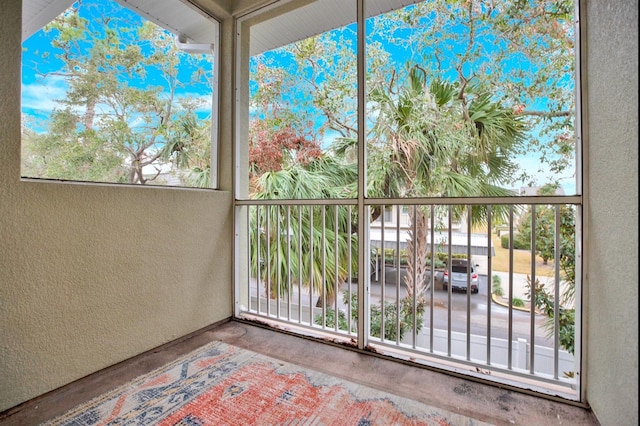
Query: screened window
point(401, 140)
point(119, 94)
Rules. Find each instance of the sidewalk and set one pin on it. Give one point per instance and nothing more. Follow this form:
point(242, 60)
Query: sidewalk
point(519, 285)
point(520, 288)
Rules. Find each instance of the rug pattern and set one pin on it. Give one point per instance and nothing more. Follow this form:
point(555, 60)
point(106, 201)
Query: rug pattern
point(220, 384)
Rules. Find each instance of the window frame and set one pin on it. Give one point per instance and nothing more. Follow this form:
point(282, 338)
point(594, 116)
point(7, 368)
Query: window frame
point(52, 10)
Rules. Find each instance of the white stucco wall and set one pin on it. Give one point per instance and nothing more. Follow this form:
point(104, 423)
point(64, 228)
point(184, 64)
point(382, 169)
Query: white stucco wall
point(611, 236)
point(91, 275)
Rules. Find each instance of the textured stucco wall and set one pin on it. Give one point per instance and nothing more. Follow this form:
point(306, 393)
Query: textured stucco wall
point(91, 275)
point(612, 210)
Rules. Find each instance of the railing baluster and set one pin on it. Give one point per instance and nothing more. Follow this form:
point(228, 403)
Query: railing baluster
point(532, 291)
point(323, 262)
point(278, 260)
point(414, 255)
point(311, 254)
point(433, 273)
point(510, 323)
point(450, 284)
point(300, 270)
point(249, 210)
point(350, 273)
point(469, 269)
point(398, 271)
point(381, 279)
point(336, 258)
point(489, 283)
point(288, 263)
point(258, 259)
point(268, 282)
point(556, 308)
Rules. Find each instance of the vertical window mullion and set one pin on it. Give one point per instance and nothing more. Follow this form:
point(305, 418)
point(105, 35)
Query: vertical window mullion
point(363, 228)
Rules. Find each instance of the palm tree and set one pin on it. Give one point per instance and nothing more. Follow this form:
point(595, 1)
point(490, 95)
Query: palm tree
point(308, 244)
point(433, 140)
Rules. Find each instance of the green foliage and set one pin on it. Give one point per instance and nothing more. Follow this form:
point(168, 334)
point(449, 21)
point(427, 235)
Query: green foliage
point(517, 302)
point(310, 247)
point(544, 299)
point(391, 324)
point(496, 285)
point(519, 242)
point(504, 241)
point(391, 258)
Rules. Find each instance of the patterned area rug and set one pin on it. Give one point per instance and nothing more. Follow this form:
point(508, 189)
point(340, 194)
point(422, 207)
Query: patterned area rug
point(220, 384)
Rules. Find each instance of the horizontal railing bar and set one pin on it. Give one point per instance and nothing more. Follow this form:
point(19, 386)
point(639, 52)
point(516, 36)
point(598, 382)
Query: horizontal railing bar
point(288, 202)
point(461, 362)
point(315, 330)
point(515, 200)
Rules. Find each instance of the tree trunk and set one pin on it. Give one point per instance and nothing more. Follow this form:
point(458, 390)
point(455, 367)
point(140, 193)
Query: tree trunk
point(417, 267)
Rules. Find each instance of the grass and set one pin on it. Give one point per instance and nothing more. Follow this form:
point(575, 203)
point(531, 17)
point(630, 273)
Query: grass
point(521, 261)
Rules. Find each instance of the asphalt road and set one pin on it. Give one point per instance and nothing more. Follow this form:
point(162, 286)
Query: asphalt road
point(477, 305)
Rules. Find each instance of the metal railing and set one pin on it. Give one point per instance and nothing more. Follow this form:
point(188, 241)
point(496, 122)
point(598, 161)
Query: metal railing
point(435, 295)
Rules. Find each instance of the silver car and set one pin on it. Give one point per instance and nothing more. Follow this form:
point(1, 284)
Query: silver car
point(460, 272)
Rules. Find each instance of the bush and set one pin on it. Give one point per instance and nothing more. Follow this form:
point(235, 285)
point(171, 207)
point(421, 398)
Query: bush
point(517, 302)
point(390, 317)
point(496, 285)
point(519, 242)
point(441, 259)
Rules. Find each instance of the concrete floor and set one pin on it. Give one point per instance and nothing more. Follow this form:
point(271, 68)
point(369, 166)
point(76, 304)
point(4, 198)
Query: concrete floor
point(483, 402)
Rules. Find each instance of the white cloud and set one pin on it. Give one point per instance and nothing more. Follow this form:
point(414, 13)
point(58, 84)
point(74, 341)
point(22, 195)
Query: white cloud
point(42, 95)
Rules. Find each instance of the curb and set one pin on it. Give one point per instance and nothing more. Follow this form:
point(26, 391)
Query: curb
point(506, 305)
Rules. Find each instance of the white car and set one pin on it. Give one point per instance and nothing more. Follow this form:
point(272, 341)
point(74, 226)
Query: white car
point(461, 274)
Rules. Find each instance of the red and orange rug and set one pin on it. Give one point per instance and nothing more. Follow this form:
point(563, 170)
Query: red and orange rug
point(220, 384)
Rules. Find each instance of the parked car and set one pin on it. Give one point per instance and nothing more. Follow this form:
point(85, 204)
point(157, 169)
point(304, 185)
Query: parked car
point(460, 270)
